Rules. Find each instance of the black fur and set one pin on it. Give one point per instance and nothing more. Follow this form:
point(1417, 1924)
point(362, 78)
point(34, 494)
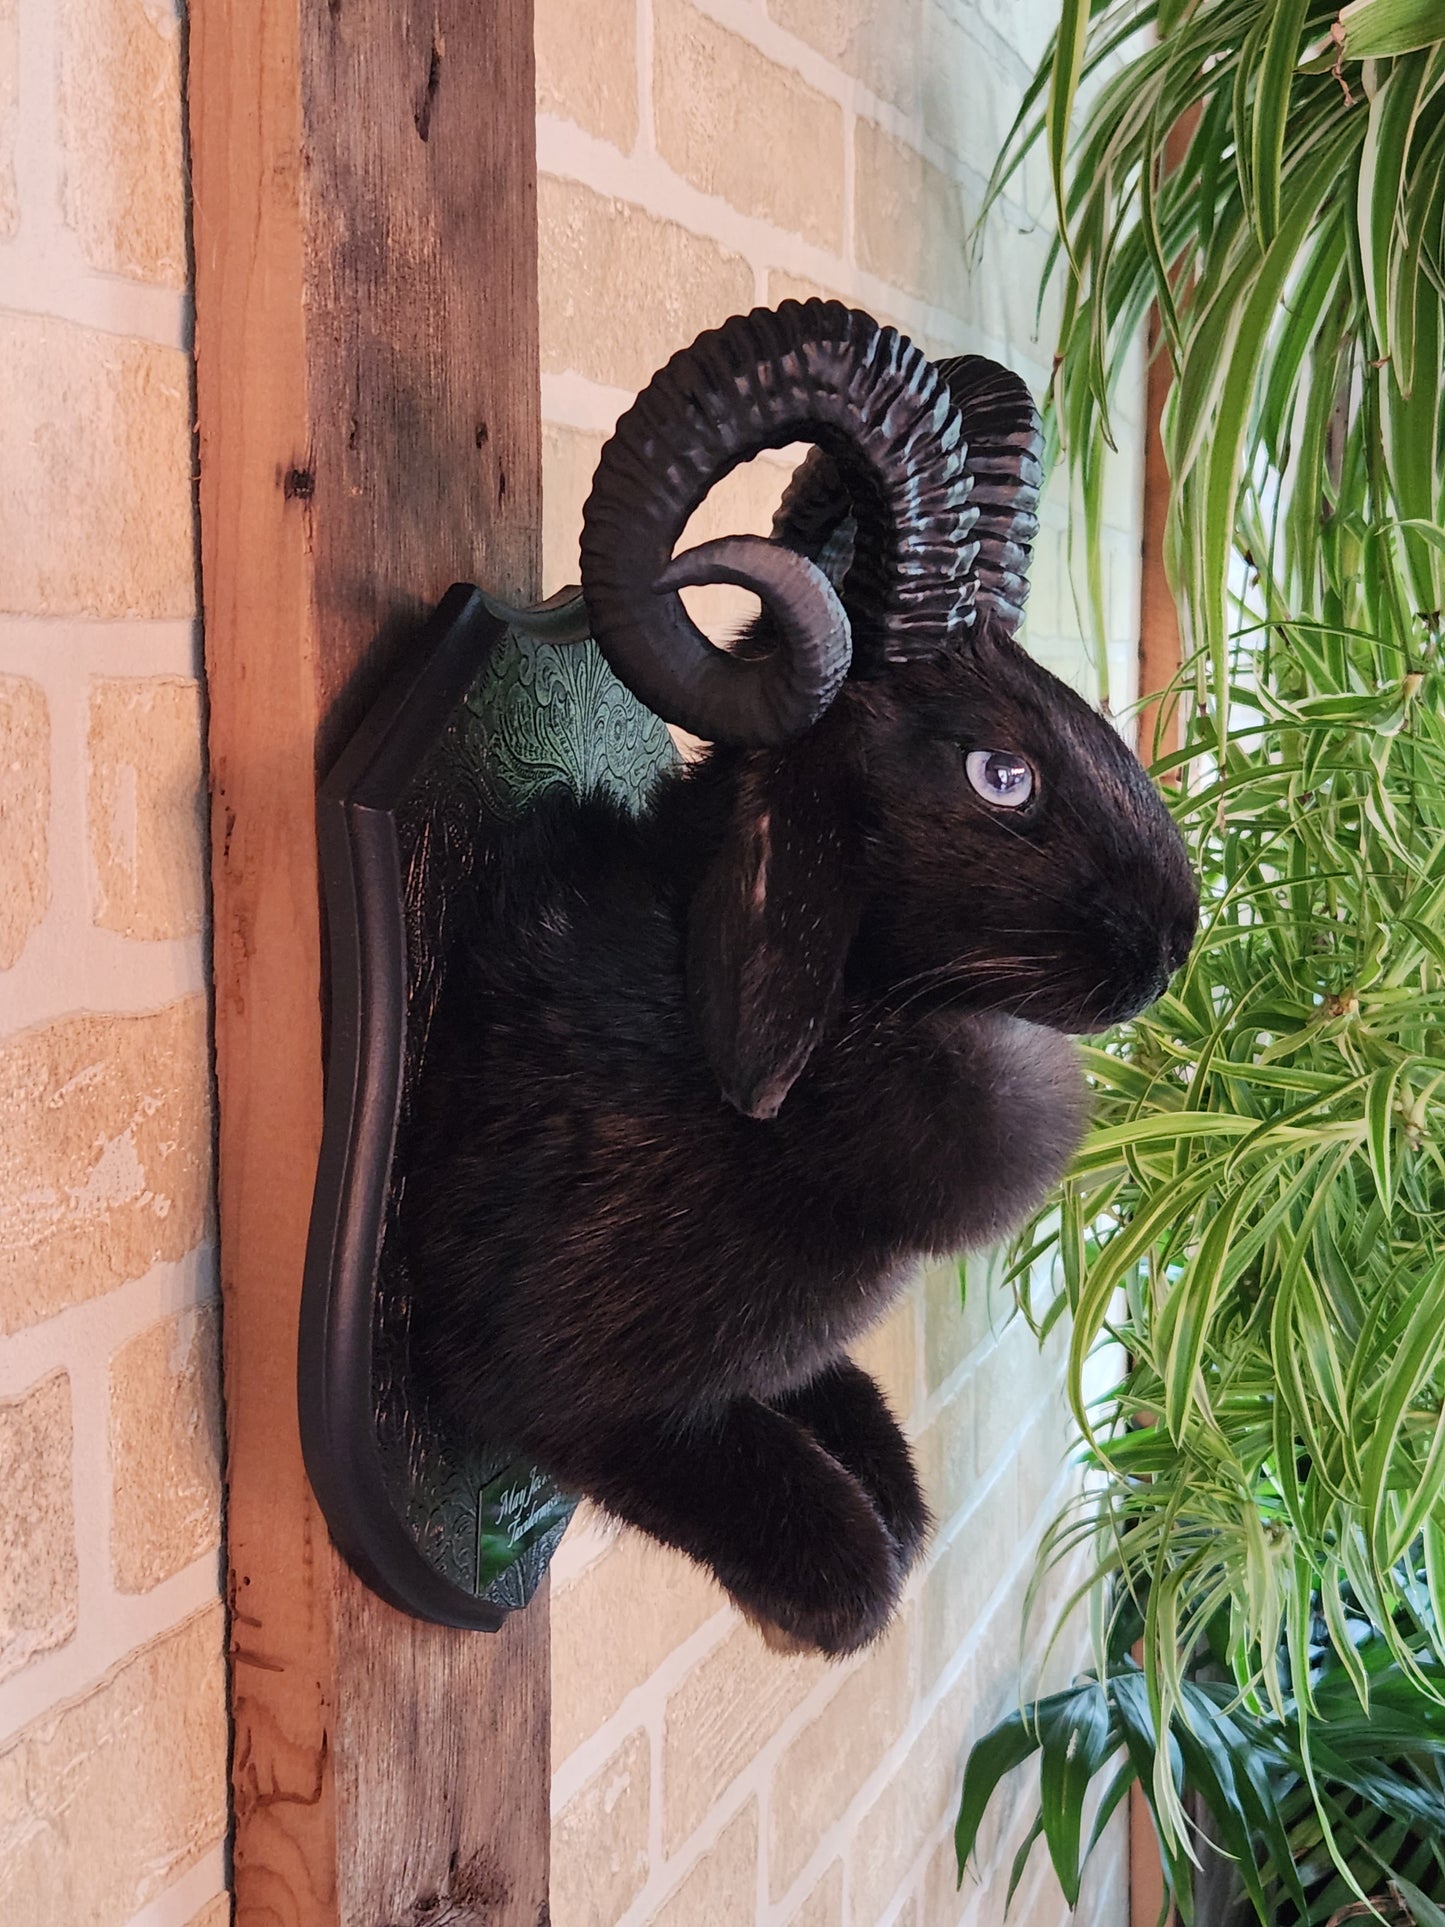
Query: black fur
point(648, 1285)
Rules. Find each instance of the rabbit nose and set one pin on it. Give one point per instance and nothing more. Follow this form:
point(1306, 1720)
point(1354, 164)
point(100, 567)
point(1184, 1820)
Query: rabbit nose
point(1143, 957)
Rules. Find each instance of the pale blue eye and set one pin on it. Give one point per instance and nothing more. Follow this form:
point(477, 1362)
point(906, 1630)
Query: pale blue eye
point(1001, 776)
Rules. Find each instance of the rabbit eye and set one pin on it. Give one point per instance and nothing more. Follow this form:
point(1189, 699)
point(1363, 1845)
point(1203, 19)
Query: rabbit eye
point(1001, 776)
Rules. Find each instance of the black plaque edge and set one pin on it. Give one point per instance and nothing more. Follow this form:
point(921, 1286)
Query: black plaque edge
point(366, 1053)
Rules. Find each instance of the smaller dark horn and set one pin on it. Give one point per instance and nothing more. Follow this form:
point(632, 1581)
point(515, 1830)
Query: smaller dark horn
point(800, 601)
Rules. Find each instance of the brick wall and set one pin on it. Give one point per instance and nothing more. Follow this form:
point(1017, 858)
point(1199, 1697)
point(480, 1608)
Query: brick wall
point(697, 158)
point(112, 1708)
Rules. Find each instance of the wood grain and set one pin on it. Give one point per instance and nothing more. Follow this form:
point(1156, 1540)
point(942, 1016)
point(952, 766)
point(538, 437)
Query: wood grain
point(367, 393)
point(1159, 638)
point(1160, 654)
point(1160, 642)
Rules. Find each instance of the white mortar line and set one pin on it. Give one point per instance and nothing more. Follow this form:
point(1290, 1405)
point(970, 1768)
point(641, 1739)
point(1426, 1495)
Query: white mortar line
point(643, 1706)
point(52, 1681)
point(187, 1894)
point(65, 964)
point(43, 270)
point(62, 651)
point(570, 400)
point(40, 278)
point(95, 1328)
point(566, 152)
point(68, 956)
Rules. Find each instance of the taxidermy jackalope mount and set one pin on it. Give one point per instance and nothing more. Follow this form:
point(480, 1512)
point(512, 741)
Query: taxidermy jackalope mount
point(681, 1089)
point(708, 1078)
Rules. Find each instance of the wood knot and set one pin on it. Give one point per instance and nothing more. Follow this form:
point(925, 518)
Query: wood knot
point(433, 81)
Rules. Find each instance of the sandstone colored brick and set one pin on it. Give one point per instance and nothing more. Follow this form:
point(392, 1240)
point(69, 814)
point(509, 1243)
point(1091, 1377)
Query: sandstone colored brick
point(880, 46)
point(106, 1800)
point(9, 106)
point(1002, 1391)
point(24, 812)
point(890, 1353)
point(822, 1771)
point(944, 1900)
point(599, 1842)
point(945, 1455)
point(95, 473)
point(723, 1885)
point(1121, 594)
point(38, 1572)
point(783, 286)
point(147, 807)
point(613, 1627)
point(1124, 492)
point(967, 93)
point(105, 1164)
point(1050, 610)
point(911, 227)
point(919, 1797)
point(215, 1913)
point(824, 1905)
point(998, 1656)
point(949, 1334)
point(589, 74)
point(1038, 1902)
point(737, 124)
point(620, 291)
point(742, 503)
point(120, 129)
point(1104, 1891)
point(1041, 1455)
point(961, 1581)
point(1015, 270)
point(569, 460)
point(722, 1715)
point(165, 1448)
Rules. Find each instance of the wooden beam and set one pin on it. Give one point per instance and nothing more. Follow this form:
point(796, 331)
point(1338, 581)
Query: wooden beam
point(1160, 654)
point(1160, 642)
point(367, 392)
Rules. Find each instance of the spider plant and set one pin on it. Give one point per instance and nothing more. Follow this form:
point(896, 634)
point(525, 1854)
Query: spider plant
point(1296, 257)
point(1258, 1216)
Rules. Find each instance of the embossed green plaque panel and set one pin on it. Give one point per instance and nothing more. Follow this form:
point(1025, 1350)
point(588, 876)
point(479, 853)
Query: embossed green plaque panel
point(445, 1527)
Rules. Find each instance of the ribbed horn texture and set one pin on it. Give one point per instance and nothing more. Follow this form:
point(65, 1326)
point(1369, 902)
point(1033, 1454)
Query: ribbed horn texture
point(875, 405)
point(1005, 458)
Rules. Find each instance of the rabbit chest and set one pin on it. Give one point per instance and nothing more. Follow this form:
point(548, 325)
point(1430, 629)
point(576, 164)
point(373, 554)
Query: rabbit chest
point(591, 1218)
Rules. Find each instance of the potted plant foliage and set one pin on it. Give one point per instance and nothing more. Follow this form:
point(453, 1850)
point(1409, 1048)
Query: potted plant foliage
point(1258, 1217)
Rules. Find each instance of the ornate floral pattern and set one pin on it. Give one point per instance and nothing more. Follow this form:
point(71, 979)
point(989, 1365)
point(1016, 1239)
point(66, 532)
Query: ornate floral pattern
point(538, 715)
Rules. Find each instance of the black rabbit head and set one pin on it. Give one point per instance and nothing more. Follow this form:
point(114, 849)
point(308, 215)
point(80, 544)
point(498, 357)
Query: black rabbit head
point(917, 809)
point(1016, 856)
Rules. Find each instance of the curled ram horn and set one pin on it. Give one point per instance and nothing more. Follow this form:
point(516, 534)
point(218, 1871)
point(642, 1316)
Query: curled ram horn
point(1005, 445)
point(1005, 460)
point(878, 409)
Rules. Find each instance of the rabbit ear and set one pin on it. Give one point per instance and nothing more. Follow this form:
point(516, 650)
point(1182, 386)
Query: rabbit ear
point(771, 923)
